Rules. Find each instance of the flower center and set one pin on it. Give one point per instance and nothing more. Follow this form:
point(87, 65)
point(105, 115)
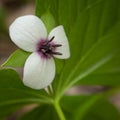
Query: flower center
point(47, 48)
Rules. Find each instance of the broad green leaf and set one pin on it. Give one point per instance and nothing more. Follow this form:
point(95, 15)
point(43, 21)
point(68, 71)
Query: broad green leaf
point(97, 34)
point(17, 59)
point(102, 110)
point(42, 112)
point(8, 110)
point(71, 104)
point(66, 101)
point(48, 21)
point(108, 74)
point(92, 28)
point(108, 79)
point(48, 5)
point(93, 107)
point(103, 52)
point(14, 94)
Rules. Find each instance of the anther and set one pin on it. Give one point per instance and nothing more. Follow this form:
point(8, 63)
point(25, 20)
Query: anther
point(57, 45)
point(48, 49)
point(56, 53)
point(51, 39)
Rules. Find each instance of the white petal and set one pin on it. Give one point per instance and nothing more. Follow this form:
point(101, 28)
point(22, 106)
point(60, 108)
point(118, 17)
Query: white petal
point(38, 72)
point(26, 31)
point(60, 38)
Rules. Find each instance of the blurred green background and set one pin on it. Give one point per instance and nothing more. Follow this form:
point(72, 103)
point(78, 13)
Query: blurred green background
point(11, 9)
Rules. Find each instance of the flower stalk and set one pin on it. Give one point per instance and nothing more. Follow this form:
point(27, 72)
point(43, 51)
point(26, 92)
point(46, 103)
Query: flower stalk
point(50, 89)
point(59, 110)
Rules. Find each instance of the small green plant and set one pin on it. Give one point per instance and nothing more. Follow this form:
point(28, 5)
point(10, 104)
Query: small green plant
point(92, 30)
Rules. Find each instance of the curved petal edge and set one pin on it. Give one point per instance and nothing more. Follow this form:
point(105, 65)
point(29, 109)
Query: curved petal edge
point(27, 31)
point(60, 38)
point(38, 72)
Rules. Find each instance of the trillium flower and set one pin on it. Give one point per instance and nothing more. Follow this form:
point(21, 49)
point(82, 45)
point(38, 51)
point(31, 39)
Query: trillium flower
point(29, 33)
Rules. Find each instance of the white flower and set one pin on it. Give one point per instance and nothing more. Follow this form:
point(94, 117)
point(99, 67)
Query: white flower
point(30, 34)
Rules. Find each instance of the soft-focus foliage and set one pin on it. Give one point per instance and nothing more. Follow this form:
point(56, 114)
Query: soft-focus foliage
point(93, 30)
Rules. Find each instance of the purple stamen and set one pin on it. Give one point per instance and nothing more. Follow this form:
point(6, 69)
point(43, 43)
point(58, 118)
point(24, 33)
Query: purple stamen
point(47, 48)
point(56, 53)
point(57, 45)
point(51, 39)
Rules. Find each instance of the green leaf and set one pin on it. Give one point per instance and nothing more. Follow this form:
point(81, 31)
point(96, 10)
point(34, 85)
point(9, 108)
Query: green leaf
point(93, 107)
point(8, 110)
point(43, 7)
point(43, 11)
point(103, 52)
point(108, 79)
point(92, 28)
point(17, 59)
point(42, 112)
point(14, 94)
point(48, 20)
point(102, 110)
point(71, 104)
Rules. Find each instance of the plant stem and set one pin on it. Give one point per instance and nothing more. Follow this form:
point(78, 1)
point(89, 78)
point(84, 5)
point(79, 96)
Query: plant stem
point(50, 90)
point(59, 110)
